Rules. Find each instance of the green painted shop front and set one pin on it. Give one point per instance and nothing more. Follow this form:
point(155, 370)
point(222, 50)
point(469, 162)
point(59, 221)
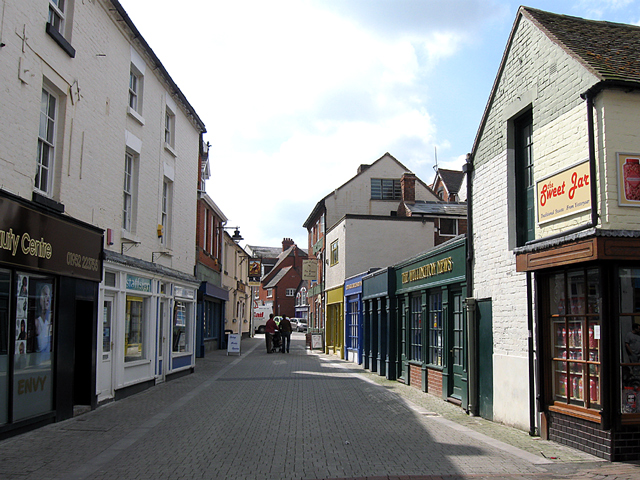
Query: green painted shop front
point(431, 321)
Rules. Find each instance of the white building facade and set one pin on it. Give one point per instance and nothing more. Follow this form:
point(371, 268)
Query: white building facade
point(101, 131)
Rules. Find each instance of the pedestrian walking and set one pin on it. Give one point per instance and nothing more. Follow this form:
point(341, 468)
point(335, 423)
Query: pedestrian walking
point(270, 330)
point(285, 333)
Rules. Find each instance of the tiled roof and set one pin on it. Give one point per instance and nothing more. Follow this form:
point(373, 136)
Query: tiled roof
point(452, 179)
point(279, 276)
point(610, 50)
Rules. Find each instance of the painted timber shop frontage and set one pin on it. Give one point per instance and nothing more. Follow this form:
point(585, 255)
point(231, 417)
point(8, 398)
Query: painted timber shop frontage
point(50, 271)
point(415, 322)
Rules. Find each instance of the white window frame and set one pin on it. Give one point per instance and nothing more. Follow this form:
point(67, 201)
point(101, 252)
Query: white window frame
point(455, 227)
point(269, 292)
point(290, 292)
point(166, 208)
point(57, 15)
point(169, 128)
point(47, 136)
point(129, 191)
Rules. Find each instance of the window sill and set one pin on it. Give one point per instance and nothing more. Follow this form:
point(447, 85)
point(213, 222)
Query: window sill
point(136, 116)
point(136, 363)
point(577, 412)
point(60, 40)
point(170, 149)
point(180, 354)
point(127, 235)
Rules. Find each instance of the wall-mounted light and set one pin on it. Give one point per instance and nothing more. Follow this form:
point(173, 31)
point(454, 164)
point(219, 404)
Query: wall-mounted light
point(236, 237)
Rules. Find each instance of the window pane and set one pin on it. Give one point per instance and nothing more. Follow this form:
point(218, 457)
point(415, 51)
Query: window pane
point(629, 287)
point(134, 329)
point(5, 279)
point(180, 340)
point(416, 329)
point(33, 371)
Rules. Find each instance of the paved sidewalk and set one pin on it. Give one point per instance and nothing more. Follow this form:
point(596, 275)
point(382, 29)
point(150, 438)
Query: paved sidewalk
point(302, 415)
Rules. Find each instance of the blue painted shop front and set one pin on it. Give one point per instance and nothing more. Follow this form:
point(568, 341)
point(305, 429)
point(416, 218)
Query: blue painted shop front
point(353, 318)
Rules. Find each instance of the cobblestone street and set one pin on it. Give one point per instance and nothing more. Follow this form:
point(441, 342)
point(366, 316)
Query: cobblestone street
point(302, 415)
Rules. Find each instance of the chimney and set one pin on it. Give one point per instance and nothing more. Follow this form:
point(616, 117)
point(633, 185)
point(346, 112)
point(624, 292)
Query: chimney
point(286, 243)
point(408, 186)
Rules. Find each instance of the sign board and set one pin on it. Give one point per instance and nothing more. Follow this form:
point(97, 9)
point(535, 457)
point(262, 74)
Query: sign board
point(316, 341)
point(564, 193)
point(255, 271)
point(233, 343)
point(309, 270)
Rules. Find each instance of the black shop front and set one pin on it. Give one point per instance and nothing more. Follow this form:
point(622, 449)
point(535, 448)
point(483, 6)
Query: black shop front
point(50, 271)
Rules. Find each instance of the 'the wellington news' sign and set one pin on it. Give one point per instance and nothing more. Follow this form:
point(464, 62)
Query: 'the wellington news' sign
point(565, 193)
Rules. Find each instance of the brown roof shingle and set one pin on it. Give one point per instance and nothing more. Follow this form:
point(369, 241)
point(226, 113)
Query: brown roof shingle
point(610, 50)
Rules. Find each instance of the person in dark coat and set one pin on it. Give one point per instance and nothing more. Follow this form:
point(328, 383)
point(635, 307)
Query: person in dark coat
point(285, 333)
point(270, 330)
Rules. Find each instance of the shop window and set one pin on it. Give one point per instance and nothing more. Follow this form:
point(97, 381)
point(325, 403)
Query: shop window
point(629, 288)
point(415, 329)
point(5, 283)
point(352, 324)
point(134, 330)
point(574, 334)
point(32, 368)
point(435, 329)
point(180, 327)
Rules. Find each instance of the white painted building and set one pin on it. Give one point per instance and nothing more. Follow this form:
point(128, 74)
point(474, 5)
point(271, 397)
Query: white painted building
point(554, 235)
point(98, 128)
point(359, 243)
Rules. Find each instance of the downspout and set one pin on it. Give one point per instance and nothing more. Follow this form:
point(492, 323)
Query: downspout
point(532, 379)
point(588, 96)
point(472, 330)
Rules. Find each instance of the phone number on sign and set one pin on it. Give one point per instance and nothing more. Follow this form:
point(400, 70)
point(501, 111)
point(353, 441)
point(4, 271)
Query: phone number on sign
point(80, 261)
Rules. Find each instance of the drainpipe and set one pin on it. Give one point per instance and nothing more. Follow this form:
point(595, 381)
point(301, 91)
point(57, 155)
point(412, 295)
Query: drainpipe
point(472, 330)
point(532, 379)
point(589, 95)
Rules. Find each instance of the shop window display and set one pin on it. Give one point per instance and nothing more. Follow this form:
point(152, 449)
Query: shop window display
point(435, 329)
point(629, 288)
point(34, 326)
point(180, 341)
point(5, 279)
point(134, 334)
point(575, 334)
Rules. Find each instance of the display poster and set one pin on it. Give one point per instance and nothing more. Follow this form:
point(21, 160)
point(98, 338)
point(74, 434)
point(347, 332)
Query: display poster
point(34, 325)
point(628, 179)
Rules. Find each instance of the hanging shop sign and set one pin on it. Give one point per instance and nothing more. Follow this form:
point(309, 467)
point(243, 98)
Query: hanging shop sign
point(565, 193)
point(46, 243)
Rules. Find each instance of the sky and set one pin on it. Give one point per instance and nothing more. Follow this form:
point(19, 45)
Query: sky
point(296, 94)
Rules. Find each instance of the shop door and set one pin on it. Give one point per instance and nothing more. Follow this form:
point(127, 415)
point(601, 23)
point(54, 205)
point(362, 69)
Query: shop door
point(163, 356)
point(485, 358)
point(458, 387)
point(105, 374)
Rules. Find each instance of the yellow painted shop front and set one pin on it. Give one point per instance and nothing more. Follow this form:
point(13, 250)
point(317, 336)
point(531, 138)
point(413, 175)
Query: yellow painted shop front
point(335, 322)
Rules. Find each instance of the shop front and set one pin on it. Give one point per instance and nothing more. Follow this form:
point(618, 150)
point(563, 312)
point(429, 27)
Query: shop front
point(50, 270)
point(149, 318)
point(380, 330)
point(432, 321)
point(588, 336)
point(334, 326)
point(211, 307)
point(353, 318)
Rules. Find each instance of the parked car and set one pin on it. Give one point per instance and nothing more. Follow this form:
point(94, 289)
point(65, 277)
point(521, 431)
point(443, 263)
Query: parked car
point(294, 324)
point(302, 325)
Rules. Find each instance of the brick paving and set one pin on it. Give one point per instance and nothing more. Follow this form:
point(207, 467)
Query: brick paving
point(302, 415)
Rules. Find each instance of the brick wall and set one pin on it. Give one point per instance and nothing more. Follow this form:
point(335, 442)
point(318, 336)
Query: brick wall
point(415, 376)
point(434, 382)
